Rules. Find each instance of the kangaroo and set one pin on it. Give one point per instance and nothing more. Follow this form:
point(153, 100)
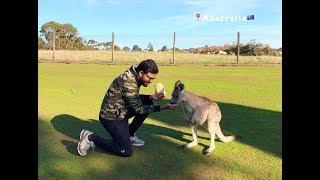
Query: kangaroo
point(200, 111)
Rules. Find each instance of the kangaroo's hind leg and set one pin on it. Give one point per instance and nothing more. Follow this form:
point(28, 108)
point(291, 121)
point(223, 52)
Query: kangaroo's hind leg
point(212, 143)
point(194, 128)
point(212, 123)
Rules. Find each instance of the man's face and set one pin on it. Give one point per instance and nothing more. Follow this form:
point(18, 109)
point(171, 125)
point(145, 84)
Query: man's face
point(146, 78)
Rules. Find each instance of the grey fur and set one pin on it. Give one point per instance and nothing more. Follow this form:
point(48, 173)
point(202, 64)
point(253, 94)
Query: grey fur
point(200, 111)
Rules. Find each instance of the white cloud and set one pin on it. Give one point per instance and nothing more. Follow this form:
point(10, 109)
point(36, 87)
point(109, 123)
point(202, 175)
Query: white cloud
point(268, 29)
point(179, 19)
point(222, 7)
point(112, 2)
point(213, 8)
point(91, 1)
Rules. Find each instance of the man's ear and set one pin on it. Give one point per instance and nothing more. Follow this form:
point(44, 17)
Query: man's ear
point(177, 83)
point(181, 87)
point(140, 74)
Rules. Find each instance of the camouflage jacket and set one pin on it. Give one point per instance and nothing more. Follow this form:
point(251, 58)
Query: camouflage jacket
point(122, 98)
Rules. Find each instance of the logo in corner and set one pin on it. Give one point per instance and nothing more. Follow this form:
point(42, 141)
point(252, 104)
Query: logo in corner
point(250, 17)
point(198, 16)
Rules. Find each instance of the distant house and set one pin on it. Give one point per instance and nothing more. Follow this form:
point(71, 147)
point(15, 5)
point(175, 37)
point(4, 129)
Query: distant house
point(279, 51)
point(100, 47)
point(221, 52)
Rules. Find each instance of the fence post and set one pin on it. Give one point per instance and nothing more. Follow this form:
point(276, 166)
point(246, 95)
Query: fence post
point(174, 48)
point(53, 43)
point(112, 46)
point(238, 40)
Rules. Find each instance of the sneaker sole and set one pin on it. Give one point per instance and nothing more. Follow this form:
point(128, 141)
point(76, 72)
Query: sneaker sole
point(78, 147)
point(137, 144)
point(81, 134)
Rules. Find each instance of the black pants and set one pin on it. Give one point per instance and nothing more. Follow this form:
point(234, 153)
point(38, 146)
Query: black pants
point(120, 132)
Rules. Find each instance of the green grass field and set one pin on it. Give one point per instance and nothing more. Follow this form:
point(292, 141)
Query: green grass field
point(250, 98)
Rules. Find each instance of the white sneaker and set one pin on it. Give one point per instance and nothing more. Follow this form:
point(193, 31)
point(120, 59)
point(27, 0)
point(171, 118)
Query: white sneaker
point(136, 141)
point(84, 144)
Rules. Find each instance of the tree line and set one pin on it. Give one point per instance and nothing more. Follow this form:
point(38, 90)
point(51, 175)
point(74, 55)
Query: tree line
point(252, 48)
point(66, 37)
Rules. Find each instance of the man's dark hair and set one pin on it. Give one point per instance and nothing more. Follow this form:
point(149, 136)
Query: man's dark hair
point(148, 65)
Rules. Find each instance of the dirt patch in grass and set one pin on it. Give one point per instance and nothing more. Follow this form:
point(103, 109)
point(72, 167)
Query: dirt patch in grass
point(205, 171)
point(46, 176)
point(169, 162)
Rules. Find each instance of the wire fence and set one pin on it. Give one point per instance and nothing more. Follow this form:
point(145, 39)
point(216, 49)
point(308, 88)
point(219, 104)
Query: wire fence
point(166, 48)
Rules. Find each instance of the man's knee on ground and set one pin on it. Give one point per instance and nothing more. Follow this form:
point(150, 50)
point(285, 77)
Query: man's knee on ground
point(126, 153)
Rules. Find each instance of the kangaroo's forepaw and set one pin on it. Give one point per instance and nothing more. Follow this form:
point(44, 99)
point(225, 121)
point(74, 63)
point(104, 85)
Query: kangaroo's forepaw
point(207, 152)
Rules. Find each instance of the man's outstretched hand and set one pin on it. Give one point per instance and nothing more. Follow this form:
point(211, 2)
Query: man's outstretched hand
point(172, 106)
point(169, 106)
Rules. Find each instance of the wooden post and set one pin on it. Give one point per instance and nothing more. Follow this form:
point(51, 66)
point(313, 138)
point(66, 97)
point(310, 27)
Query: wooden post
point(238, 40)
point(112, 46)
point(53, 43)
point(174, 48)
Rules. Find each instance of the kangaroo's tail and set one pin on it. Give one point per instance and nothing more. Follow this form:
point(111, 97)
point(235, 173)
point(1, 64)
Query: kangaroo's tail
point(222, 137)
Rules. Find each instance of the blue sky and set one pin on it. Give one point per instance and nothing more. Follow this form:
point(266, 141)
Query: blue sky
point(140, 22)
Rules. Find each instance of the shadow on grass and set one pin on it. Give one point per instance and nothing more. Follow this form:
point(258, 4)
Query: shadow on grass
point(71, 126)
point(162, 154)
point(256, 127)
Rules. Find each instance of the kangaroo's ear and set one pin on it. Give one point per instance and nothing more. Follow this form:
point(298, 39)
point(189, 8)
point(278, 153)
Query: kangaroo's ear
point(177, 83)
point(181, 87)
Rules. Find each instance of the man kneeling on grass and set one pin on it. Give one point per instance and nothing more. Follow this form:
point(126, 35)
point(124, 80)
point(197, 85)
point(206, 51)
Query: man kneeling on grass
point(122, 102)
